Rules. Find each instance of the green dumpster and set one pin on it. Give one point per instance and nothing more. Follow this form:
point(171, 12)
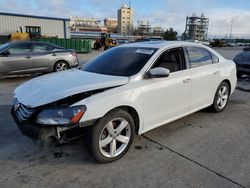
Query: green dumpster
point(80, 45)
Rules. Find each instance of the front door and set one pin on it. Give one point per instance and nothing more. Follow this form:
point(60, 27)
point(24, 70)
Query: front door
point(166, 99)
point(18, 59)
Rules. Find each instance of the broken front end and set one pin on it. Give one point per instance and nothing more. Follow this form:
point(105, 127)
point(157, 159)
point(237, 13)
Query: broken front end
point(59, 119)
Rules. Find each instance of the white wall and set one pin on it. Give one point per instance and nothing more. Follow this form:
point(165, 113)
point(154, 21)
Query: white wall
point(49, 27)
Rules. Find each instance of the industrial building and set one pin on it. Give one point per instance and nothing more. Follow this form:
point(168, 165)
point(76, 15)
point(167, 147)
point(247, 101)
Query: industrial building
point(158, 31)
point(125, 20)
point(144, 28)
point(111, 24)
point(82, 24)
point(48, 26)
point(196, 28)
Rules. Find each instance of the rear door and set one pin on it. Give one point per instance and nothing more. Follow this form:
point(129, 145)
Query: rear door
point(205, 76)
point(18, 59)
point(42, 56)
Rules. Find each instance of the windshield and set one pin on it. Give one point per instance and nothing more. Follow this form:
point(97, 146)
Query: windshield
point(2, 47)
point(121, 61)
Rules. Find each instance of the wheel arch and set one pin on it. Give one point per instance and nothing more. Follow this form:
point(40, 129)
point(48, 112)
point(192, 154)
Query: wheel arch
point(229, 84)
point(133, 112)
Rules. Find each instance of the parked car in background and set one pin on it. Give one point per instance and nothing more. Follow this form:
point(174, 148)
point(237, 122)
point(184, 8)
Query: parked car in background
point(217, 43)
point(32, 57)
point(145, 39)
point(246, 49)
point(128, 90)
point(242, 61)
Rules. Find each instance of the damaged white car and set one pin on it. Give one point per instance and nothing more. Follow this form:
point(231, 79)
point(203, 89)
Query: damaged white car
point(126, 91)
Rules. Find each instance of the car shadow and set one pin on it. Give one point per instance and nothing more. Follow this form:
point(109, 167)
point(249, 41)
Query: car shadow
point(22, 76)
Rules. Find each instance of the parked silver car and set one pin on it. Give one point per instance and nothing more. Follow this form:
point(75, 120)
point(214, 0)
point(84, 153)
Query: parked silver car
point(33, 56)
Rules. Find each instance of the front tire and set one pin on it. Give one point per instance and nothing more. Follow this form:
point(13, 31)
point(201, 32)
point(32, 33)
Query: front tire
point(112, 136)
point(221, 97)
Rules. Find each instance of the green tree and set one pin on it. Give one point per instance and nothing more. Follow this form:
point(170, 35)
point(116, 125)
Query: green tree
point(170, 34)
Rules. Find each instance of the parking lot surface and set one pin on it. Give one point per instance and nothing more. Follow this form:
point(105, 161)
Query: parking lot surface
point(201, 150)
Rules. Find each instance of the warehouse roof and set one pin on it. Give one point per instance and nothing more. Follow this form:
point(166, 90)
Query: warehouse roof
point(33, 16)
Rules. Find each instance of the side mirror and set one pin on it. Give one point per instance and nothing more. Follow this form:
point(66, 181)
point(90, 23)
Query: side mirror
point(5, 53)
point(158, 72)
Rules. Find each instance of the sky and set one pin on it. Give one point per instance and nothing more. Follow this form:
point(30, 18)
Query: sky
point(164, 13)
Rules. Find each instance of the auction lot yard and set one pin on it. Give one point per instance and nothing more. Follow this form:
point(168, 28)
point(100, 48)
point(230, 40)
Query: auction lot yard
point(201, 150)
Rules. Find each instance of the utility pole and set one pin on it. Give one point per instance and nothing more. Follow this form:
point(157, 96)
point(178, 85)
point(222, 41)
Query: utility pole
point(231, 30)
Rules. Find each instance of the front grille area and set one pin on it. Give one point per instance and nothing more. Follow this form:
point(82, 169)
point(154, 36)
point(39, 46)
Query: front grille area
point(246, 66)
point(23, 112)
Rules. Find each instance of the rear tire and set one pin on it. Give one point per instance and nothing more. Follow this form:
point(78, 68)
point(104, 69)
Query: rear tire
point(221, 98)
point(61, 66)
point(112, 136)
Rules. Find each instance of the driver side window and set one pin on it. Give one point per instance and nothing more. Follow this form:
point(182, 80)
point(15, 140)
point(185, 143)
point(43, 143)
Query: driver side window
point(171, 60)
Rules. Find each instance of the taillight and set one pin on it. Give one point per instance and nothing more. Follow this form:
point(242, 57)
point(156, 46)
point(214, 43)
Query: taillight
point(74, 54)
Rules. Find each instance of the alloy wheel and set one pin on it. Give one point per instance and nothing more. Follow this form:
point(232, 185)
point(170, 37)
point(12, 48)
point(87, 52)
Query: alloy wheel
point(114, 137)
point(222, 97)
point(61, 66)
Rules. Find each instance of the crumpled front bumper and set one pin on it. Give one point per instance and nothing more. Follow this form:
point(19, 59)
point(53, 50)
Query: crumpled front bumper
point(38, 132)
point(33, 131)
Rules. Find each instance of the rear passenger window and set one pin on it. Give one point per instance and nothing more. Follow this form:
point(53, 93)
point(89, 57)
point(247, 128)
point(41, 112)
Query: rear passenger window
point(42, 48)
point(198, 57)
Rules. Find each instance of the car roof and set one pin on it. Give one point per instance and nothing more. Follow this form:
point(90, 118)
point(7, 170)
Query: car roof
point(170, 44)
point(37, 42)
point(161, 44)
point(31, 42)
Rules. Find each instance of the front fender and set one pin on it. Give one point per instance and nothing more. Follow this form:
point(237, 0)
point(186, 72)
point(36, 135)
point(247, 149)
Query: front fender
point(100, 104)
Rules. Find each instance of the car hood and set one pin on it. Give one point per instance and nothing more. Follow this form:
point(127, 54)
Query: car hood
point(53, 87)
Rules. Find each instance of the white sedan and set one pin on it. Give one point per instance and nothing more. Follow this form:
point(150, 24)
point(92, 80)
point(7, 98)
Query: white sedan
point(126, 91)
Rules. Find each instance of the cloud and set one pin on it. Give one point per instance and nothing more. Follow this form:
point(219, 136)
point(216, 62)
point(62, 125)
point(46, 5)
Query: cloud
point(221, 21)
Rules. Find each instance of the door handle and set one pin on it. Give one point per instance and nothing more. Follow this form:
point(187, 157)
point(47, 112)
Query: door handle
point(186, 80)
point(216, 72)
point(28, 57)
point(54, 54)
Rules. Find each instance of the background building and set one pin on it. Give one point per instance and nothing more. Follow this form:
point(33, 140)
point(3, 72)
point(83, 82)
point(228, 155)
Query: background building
point(196, 28)
point(86, 25)
point(111, 24)
point(144, 28)
point(158, 31)
point(50, 27)
point(125, 20)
